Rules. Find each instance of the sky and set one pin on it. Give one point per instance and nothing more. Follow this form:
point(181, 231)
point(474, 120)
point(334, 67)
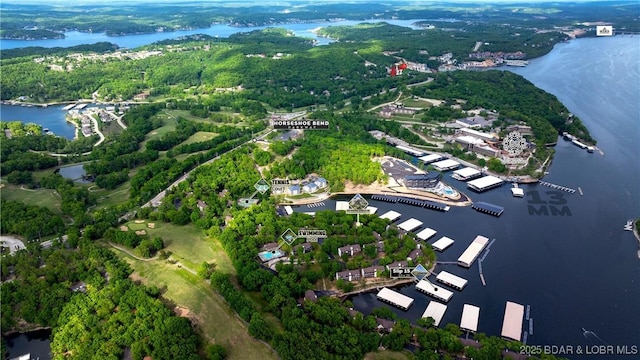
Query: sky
point(283, 2)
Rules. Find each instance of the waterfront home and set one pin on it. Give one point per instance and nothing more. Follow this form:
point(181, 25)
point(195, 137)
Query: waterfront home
point(349, 275)
point(397, 264)
point(385, 325)
point(372, 271)
point(293, 190)
point(269, 246)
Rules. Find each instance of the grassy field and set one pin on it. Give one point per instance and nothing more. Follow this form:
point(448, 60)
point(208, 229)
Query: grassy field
point(41, 197)
point(169, 124)
point(193, 296)
point(199, 137)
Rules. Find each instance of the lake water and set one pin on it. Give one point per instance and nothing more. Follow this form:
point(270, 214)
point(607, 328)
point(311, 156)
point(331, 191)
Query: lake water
point(35, 343)
point(73, 38)
point(577, 269)
point(75, 173)
point(51, 117)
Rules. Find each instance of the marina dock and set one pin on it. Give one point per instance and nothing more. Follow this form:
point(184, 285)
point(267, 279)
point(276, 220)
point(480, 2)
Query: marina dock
point(68, 107)
point(442, 244)
point(470, 315)
point(466, 174)
point(485, 183)
point(445, 165)
point(512, 322)
point(428, 159)
point(434, 291)
point(451, 280)
point(391, 215)
point(395, 298)
point(558, 187)
point(435, 310)
point(471, 253)
point(426, 234)
point(410, 225)
point(487, 208)
point(420, 203)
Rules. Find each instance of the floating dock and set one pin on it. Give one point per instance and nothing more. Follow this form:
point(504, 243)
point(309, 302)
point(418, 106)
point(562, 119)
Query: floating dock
point(421, 203)
point(428, 159)
point(470, 315)
point(342, 205)
point(372, 210)
point(80, 106)
point(410, 225)
point(485, 183)
point(395, 298)
point(442, 244)
point(466, 174)
point(557, 187)
point(436, 311)
point(288, 209)
point(391, 215)
point(471, 254)
point(434, 291)
point(411, 151)
point(512, 323)
point(68, 107)
point(449, 279)
point(426, 234)
point(445, 165)
point(487, 208)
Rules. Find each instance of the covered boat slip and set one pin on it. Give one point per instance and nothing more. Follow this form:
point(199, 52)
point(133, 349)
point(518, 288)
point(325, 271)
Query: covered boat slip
point(485, 183)
point(445, 165)
point(449, 279)
point(391, 215)
point(442, 243)
point(470, 315)
point(436, 311)
point(426, 234)
point(466, 174)
point(471, 254)
point(428, 159)
point(410, 224)
point(434, 291)
point(512, 323)
point(395, 298)
point(487, 208)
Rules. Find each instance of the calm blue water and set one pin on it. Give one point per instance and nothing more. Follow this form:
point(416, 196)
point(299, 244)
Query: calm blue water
point(51, 117)
point(73, 38)
point(577, 269)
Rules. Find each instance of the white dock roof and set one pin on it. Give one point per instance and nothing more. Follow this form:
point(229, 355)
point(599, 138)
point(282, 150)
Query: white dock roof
point(426, 234)
point(484, 182)
point(470, 315)
point(342, 205)
point(445, 165)
point(442, 243)
point(395, 298)
point(430, 158)
point(435, 291)
point(288, 209)
point(391, 215)
point(436, 311)
point(372, 209)
point(410, 224)
point(467, 172)
point(475, 248)
point(454, 280)
point(512, 323)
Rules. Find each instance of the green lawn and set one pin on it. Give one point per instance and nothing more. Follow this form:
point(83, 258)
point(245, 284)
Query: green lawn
point(169, 124)
point(214, 318)
point(190, 246)
point(41, 197)
point(199, 137)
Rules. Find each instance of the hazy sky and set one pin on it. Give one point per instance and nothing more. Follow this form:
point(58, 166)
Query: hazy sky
point(284, 2)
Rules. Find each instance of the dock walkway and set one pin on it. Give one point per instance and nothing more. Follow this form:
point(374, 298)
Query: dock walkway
point(557, 187)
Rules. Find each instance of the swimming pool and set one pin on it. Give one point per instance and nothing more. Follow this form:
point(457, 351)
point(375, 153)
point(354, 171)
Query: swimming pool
point(270, 255)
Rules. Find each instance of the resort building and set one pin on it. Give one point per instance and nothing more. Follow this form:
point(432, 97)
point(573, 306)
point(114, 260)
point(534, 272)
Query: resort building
point(349, 250)
point(348, 275)
point(429, 180)
point(372, 271)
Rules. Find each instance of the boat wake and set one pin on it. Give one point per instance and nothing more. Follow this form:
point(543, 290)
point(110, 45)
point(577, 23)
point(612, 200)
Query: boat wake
point(593, 338)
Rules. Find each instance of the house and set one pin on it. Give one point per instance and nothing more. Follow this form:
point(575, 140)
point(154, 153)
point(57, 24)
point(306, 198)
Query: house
point(350, 250)
point(413, 255)
point(202, 206)
point(380, 246)
point(293, 190)
point(310, 295)
point(397, 264)
point(141, 96)
point(385, 325)
point(270, 246)
point(372, 271)
point(304, 248)
point(349, 275)
point(321, 182)
point(310, 187)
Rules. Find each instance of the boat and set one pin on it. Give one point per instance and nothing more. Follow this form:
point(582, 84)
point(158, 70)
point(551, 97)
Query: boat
point(517, 191)
point(629, 225)
point(590, 149)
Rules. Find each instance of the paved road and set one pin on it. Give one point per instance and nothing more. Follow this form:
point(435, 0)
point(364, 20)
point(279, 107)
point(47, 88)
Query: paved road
point(158, 198)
